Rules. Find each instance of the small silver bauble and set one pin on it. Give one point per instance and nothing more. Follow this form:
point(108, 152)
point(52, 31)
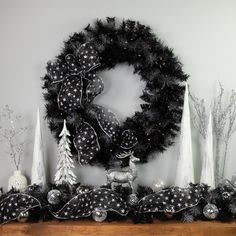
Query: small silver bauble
point(132, 199)
point(54, 196)
point(99, 215)
point(23, 217)
point(226, 196)
point(82, 189)
point(158, 185)
point(169, 211)
point(210, 211)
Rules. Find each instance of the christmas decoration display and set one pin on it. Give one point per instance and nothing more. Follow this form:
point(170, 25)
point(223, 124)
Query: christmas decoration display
point(185, 171)
point(208, 175)
point(93, 134)
point(116, 176)
point(64, 172)
point(38, 172)
point(72, 82)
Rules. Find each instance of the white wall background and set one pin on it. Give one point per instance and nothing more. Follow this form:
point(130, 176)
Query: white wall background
point(202, 33)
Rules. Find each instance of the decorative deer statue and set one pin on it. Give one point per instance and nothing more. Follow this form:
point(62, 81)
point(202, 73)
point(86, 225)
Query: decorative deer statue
point(125, 175)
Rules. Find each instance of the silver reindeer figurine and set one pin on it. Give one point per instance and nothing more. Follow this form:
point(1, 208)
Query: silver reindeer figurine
point(125, 175)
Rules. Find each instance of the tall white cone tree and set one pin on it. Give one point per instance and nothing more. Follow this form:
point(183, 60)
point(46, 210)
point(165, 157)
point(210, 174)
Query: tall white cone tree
point(207, 175)
point(64, 173)
point(38, 172)
point(185, 171)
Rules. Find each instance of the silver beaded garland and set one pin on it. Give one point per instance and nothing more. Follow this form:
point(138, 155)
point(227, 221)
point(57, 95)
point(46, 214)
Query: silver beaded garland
point(23, 217)
point(54, 196)
point(210, 211)
point(99, 215)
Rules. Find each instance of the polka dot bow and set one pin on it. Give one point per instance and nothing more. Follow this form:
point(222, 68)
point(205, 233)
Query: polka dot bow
point(86, 139)
point(80, 83)
point(84, 204)
point(171, 200)
point(14, 204)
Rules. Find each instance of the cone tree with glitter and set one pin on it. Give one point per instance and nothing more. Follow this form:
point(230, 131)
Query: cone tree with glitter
point(185, 172)
point(64, 173)
point(38, 172)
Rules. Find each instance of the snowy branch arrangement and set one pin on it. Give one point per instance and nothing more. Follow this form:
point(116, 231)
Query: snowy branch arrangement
point(224, 125)
point(224, 115)
point(199, 116)
point(12, 134)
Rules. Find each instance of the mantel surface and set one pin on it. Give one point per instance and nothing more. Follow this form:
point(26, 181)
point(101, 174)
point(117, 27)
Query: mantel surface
point(88, 228)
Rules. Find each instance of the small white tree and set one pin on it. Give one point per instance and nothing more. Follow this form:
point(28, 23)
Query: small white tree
point(64, 173)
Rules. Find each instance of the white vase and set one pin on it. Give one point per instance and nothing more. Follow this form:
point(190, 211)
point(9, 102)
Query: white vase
point(17, 181)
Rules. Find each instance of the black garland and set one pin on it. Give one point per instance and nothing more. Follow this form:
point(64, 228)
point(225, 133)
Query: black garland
point(134, 44)
point(183, 204)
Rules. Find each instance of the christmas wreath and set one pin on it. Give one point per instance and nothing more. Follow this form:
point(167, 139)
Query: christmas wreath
point(72, 82)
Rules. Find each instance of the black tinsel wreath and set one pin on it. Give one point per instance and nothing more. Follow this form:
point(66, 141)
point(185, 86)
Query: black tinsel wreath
point(134, 44)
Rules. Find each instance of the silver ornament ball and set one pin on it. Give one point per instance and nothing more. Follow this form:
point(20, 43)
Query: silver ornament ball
point(169, 211)
point(99, 215)
point(226, 196)
point(210, 211)
point(132, 199)
point(23, 217)
point(158, 185)
point(54, 196)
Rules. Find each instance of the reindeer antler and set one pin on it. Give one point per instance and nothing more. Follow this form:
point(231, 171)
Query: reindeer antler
point(124, 154)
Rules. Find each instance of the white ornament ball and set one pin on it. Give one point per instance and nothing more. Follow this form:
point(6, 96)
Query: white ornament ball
point(17, 181)
point(158, 185)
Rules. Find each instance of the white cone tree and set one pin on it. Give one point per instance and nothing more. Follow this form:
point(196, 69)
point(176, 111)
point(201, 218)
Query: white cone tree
point(208, 175)
point(185, 171)
point(64, 173)
point(38, 172)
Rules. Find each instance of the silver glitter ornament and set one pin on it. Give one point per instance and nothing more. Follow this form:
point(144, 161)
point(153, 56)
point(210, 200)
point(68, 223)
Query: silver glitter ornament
point(54, 196)
point(23, 217)
point(169, 211)
point(82, 189)
point(158, 185)
point(132, 199)
point(226, 196)
point(99, 215)
point(210, 211)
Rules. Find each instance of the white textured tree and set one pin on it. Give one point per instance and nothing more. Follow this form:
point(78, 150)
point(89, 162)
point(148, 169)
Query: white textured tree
point(64, 173)
point(38, 172)
point(184, 170)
